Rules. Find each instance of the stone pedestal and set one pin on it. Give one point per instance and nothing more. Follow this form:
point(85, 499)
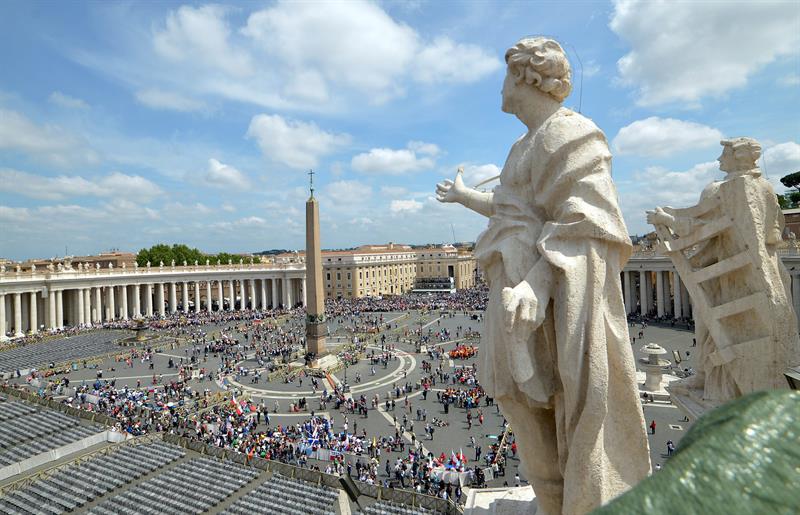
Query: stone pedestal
point(653, 367)
point(501, 501)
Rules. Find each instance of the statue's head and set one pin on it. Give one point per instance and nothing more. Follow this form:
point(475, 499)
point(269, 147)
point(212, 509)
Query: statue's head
point(739, 154)
point(541, 63)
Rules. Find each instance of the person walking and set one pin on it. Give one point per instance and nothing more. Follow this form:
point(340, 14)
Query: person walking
point(653, 427)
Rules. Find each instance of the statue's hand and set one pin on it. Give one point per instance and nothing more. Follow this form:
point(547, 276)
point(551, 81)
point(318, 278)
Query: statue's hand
point(659, 217)
point(451, 191)
point(521, 304)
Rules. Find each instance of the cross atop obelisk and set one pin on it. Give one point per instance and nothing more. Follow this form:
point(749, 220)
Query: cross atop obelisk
point(316, 328)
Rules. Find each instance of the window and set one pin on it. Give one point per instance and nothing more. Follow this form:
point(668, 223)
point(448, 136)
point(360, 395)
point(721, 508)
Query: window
point(338, 276)
point(328, 276)
point(348, 276)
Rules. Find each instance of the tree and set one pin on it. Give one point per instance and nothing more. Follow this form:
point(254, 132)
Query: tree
point(790, 199)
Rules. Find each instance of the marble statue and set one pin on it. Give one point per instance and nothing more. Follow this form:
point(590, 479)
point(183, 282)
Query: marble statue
point(161, 264)
point(206, 262)
point(60, 267)
point(148, 264)
point(241, 261)
point(135, 265)
point(558, 358)
point(2, 269)
point(96, 266)
point(111, 266)
point(18, 269)
point(725, 250)
point(173, 263)
point(184, 262)
point(33, 268)
point(124, 266)
point(230, 261)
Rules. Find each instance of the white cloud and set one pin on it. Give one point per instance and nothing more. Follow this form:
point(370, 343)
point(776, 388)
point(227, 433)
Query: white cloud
point(59, 98)
point(658, 186)
point(296, 144)
point(225, 176)
point(475, 174)
point(308, 56)
point(43, 142)
point(684, 51)
point(393, 191)
point(344, 195)
point(115, 184)
point(405, 206)
point(159, 99)
point(792, 79)
point(228, 207)
point(396, 162)
point(201, 35)
point(779, 160)
point(661, 137)
point(447, 61)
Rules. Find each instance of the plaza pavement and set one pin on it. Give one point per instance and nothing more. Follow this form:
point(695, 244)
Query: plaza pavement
point(407, 368)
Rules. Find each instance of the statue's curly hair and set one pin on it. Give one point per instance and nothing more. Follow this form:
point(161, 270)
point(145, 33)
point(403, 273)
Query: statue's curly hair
point(746, 151)
point(541, 62)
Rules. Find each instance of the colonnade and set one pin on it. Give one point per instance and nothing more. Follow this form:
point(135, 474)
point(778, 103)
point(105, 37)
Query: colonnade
point(661, 293)
point(54, 306)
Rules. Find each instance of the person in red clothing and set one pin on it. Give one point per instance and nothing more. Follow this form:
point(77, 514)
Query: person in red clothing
point(514, 448)
point(653, 427)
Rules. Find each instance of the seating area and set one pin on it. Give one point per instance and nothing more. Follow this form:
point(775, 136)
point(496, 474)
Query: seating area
point(388, 508)
point(281, 495)
point(191, 487)
point(77, 347)
point(75, 485)
point(26, 431)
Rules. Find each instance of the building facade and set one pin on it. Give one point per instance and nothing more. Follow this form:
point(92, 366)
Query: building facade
point(391, 269)
point(56, 297)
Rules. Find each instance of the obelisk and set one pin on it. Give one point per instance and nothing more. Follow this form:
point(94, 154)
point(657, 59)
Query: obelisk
point(316, 327)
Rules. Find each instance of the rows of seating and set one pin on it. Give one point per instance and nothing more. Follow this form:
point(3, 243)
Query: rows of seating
point(75, 485)
point(31, 433)
point(9, 410)
point(191, 487)
point(80, 346)
point(389, 508)
point(281, 495)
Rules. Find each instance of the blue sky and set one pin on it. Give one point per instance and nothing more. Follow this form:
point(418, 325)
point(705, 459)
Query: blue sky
point(127, 124)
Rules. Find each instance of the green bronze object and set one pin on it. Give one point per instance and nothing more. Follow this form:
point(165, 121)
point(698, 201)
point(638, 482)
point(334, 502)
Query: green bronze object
point(743, 458)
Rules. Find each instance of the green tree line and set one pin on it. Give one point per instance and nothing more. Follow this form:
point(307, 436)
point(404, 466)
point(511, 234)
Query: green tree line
point(180, 253)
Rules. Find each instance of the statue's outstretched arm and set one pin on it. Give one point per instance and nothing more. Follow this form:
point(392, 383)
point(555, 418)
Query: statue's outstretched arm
point(456, 191)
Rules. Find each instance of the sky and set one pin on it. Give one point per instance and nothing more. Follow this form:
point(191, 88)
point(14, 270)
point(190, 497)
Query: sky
point(126, 124)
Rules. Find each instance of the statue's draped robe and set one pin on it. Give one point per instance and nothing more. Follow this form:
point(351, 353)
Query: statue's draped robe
point(573, 376)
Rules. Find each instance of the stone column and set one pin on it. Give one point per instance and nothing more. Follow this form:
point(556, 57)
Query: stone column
point(232, 293)
point(185, 296)
point(264, 303)
point(33, 313)
point(112, 304)
point(303, 294)
point(253, 297)
point(796, 294)
point(642, 293)
point(81, 307)
point(686, 307)
point(18, 315)
point(3, 328)
point(173, 298)
point(626, 291)
point(243, 294)
point(660, 293)
point(220, 297)
point(677, 303)
point(87, 307)
point(60, 309)
point(123, 291)
point(51, 309)
point(137, 301)
point(97, 311)
point(208, 296)
point(196, 297)
point(162, 310)
point(275, 300)
point(286, 300)
point(148, 300)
